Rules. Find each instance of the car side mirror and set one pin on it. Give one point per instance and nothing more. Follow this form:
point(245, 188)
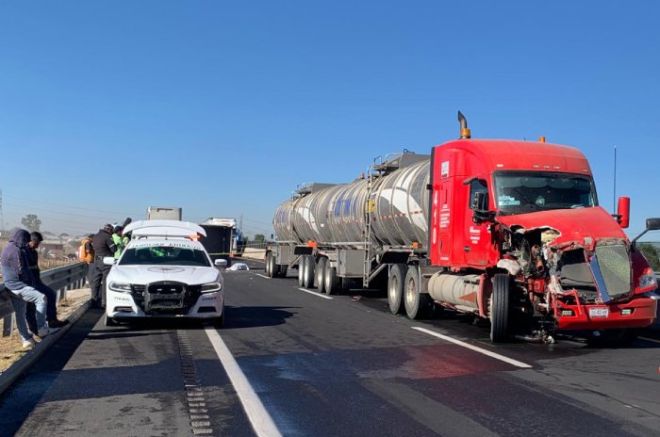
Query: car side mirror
point(222, 263)
point(109, 260)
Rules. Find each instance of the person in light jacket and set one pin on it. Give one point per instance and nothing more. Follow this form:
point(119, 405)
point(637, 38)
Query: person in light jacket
point(17, 276)
point(51, 295)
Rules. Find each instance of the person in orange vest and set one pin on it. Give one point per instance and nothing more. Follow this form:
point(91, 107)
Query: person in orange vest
point(86, 250)
point(86, 255)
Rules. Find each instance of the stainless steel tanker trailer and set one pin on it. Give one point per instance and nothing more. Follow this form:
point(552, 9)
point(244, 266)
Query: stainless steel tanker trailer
point(340, 234)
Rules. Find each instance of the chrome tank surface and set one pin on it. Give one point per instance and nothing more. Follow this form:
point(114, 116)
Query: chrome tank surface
point(336, 214)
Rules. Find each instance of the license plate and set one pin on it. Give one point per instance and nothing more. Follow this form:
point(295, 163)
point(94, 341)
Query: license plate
point(599, 312)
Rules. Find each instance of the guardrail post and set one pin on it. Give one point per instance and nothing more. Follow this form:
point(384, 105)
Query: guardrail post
point(7, 325)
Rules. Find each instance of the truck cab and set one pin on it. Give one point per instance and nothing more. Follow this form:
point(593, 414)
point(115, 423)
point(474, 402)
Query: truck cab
point(524, 217)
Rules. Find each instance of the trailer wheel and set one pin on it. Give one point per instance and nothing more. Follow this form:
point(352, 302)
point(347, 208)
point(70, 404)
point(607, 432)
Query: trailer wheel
point(395, 286)
point(308, 272)
point(271, 267)
point(500, 308)
point(331, 279)
point(301, 271)
point(417, 304)
point(267, 263)
point(319, 277)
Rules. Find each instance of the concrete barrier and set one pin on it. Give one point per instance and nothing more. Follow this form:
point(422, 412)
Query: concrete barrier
point(254, 253)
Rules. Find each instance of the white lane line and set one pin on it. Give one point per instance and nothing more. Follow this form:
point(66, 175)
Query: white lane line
point(315, 293)
point(652, 340)
point(262, 276)
point(261, 421)
point(474, 348)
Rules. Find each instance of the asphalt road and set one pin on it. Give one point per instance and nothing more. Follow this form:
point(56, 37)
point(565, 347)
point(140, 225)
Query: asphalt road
point(341, 366)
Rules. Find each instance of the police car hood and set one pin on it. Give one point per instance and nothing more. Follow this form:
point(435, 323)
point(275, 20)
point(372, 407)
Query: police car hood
point(145, 274)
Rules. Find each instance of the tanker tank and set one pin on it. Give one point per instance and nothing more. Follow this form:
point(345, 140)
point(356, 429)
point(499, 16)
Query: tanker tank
point(335, 215)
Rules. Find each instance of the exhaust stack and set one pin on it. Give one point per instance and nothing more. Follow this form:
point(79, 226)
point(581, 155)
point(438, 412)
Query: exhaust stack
point(465, 130)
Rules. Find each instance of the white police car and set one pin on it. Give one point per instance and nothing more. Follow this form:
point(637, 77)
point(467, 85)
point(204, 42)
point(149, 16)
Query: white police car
point(164, 272)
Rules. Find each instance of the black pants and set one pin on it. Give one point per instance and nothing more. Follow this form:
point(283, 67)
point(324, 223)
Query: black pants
point(99, 274)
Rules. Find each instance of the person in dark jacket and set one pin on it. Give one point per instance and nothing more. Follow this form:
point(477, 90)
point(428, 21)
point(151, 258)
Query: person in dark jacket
point(17, 277)
point(103, 247)
point(51, 296)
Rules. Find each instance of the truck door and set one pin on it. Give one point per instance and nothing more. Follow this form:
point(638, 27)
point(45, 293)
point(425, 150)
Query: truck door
point(477, 238)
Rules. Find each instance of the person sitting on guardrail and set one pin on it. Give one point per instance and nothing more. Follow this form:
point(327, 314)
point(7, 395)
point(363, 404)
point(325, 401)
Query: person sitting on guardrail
point(17, 276)
point(51, 296)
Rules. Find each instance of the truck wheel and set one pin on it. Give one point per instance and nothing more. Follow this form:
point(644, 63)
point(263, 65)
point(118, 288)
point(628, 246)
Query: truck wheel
point(301, 271)
point(418, 304)
point(331, 279)
point(395, 287)
point(499, 308)
point(267, 263)
point(319, 278)
point(271, 267)
point(308, 272)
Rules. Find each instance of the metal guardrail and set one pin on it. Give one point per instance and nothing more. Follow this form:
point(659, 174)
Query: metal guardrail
point(59, 279)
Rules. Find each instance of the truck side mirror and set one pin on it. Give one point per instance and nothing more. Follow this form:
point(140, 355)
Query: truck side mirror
point(652, 224)
point(479, 206)
point(623, 212)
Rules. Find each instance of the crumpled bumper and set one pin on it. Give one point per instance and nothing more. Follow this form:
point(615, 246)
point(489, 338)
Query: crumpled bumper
point(639, 312)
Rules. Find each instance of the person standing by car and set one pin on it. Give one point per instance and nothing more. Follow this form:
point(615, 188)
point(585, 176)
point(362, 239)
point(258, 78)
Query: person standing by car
point(51, 296)
point(103, 246)
point(118, 239)
point(17, 276)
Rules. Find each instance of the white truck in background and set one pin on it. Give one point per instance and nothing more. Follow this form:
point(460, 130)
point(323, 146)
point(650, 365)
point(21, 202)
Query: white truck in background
point(163, 213)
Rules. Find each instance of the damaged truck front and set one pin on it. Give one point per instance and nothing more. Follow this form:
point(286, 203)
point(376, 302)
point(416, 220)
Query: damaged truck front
point(518, 237)
point(581, 273)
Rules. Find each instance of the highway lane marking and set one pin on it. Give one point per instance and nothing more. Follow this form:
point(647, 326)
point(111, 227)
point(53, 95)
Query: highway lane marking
point(652, 340)
point(315, 293)
point(474, 348)
point(261, 421)
point(262, 276)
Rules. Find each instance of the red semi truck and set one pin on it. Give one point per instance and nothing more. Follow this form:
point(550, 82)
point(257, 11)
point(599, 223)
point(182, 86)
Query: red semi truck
point(509, 231)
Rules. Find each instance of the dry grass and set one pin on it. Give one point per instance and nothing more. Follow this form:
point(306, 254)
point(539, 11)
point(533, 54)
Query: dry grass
point(10, 347)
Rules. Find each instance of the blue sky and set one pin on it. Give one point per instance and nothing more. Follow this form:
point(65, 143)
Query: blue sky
point(224, 107)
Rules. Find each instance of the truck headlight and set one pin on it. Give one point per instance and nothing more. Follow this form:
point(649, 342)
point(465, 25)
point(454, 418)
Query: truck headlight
point(121, 287)
point(211, 287)
point(647, 281)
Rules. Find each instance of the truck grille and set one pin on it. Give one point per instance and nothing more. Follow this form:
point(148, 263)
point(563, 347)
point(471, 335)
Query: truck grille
point(576, 274)
point(615, 268)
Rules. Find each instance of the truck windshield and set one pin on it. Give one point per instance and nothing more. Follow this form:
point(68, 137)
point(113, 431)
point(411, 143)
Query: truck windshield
point(522, 192)
point(164, 255)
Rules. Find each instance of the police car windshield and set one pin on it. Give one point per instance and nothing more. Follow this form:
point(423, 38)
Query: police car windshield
point(523, 192)
point(164, 255)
